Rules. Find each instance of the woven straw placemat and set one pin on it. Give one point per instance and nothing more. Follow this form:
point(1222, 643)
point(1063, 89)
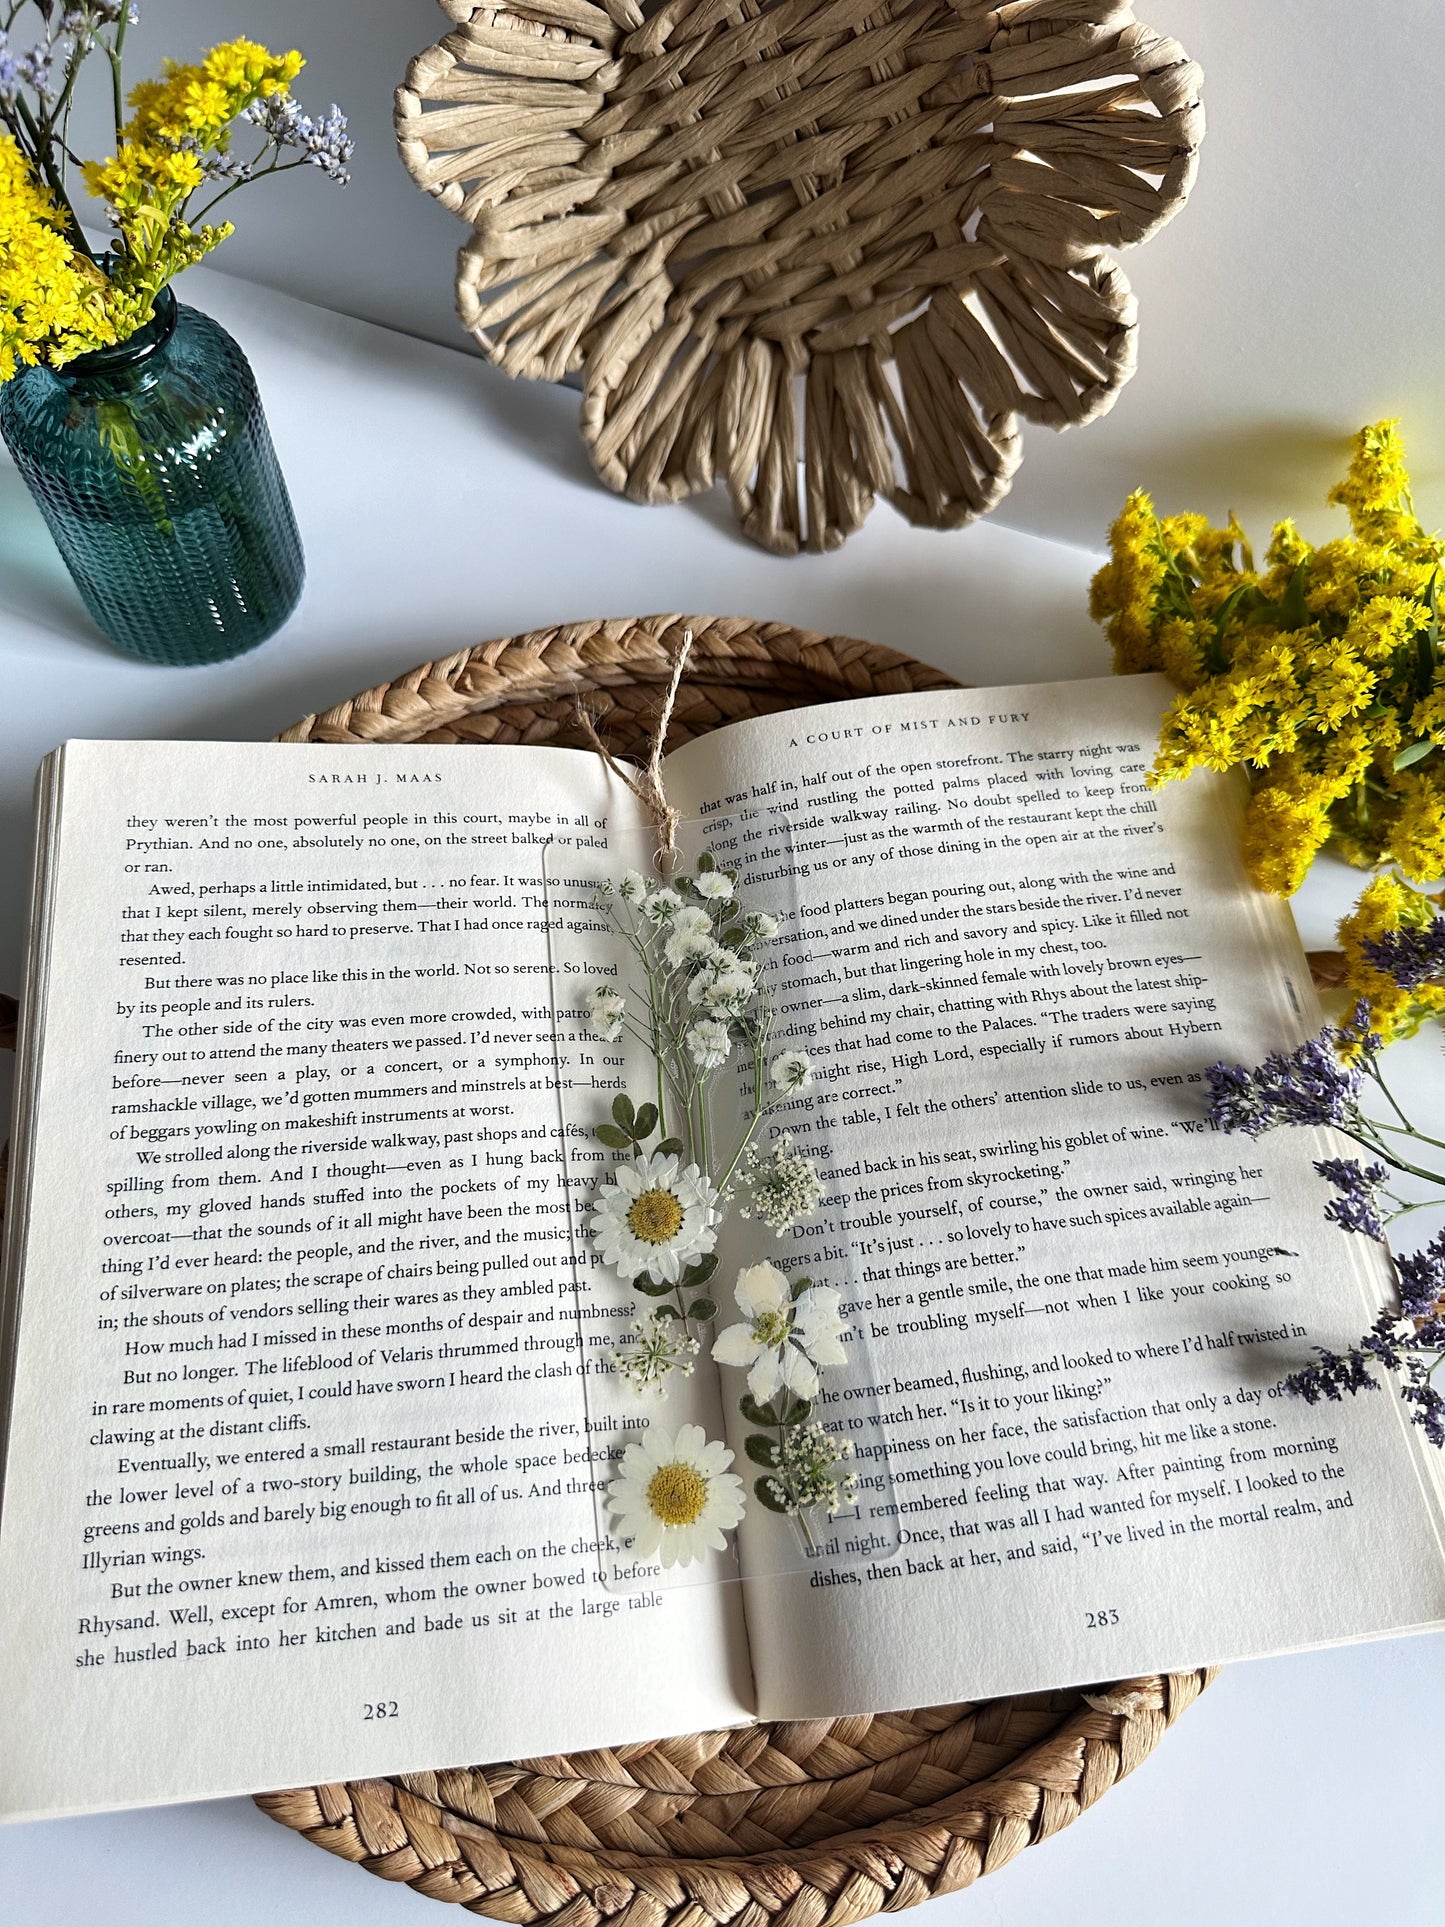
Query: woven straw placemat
point(810, 1824)
point(891, 215)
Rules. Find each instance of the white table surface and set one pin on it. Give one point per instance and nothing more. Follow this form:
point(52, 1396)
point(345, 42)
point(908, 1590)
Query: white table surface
point(441, 505)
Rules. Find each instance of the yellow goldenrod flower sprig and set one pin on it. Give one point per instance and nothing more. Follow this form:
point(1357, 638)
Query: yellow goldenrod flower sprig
point(59, 298)
point(52, 299)
point(1322, 674)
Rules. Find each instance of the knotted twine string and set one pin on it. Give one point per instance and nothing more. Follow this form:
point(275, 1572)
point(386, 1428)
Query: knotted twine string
point(649, 788)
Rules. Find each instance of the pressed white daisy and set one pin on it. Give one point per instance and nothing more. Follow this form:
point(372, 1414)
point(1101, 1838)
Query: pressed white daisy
point(662, 906)
point(633, 887)
point(781, 1342)
point(656, 1215)
point(675, 1498)
point(708, 1044)
point(605, 1010)
point(792, 1072)
point(713, 885)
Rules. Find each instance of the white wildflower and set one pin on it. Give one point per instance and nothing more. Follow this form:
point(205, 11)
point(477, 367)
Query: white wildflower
point(655, 1215)
point(653, 1348)
point(781, 1342)
point(691, 937)
point(708, 1044)
point(633, 888)
point(759, 927)
point(662, 906)
point(605, 1010)
point(675, 1498)
point(715, 885)
point(725, 981)
point(792, 1072)
point(784, 1186)
point(810, 1470)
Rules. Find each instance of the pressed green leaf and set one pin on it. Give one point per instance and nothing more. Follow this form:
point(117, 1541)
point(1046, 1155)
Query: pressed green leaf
point(651, 1288)
point(706, 862)
point(646, 1122)
point(800, 1285)
point(701, 1270)
point(1292, 611)
point(1416, 753)
point(670, 1147)
point(667, 1311)
point(795, 1414)
point(766, 1496)
point(761, 1450)
point(754, 1413)
point(702, 1309)
point(611, 1135)
point(734, 936)
point(622, 1110)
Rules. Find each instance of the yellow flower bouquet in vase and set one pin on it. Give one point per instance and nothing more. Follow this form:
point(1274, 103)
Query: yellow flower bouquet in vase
point(1323, 674)
point(135, 421)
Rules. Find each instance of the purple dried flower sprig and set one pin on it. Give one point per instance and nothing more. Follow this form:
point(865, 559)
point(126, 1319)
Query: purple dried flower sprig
point(1319, 1084)
point(1356, 1208)
point(1410, 957)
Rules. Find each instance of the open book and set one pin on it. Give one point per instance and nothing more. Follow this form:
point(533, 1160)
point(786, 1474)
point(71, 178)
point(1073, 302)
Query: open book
point(306, 1435)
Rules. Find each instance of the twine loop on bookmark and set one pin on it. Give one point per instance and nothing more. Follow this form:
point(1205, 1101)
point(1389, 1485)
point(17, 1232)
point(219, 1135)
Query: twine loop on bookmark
point(649, 788)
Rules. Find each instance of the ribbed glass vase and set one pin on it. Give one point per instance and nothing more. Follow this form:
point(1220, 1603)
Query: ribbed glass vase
point(154, 468)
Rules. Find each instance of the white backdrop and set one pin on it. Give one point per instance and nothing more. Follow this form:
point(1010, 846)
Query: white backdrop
point(1301, 293)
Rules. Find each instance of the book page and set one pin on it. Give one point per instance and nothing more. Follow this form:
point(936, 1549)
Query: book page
point(1017, 962)
point(301, 1484)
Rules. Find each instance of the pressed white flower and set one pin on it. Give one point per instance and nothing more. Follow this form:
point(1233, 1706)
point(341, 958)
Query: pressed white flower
point(781, 1342)
point(605, 1010)
point(724, 980)
point(760, 927)
point(633, 887)
point(708, 1044)
point(675, 1498)
point(792, 1072)
point(656, 1215)
point(731, 986)
point(812, 1470)
point(784, 1185)
point(654, 1347)
point(691, 937)
point(713, 885)
point(662, 906)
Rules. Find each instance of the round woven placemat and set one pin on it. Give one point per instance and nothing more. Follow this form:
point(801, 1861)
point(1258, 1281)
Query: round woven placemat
point(875, 235)
point(776, 1825)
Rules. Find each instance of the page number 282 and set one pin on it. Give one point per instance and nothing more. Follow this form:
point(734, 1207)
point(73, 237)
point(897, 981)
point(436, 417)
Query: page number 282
point(381, 1710)
point(1106, 1616)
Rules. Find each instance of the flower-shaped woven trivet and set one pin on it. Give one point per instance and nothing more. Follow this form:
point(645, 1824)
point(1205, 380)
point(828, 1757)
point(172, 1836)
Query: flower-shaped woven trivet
point(893, 215)
point(796, 1825)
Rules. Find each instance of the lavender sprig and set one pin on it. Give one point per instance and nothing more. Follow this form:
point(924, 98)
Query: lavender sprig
point(1318, 1083)
point(1410, 957)
point(1355, 1209)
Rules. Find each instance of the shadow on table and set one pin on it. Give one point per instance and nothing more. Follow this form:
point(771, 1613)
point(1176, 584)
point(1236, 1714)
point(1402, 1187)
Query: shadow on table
point(35, 585)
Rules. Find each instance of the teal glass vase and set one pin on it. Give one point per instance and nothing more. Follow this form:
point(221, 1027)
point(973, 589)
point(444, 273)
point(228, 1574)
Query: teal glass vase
point(153, 466)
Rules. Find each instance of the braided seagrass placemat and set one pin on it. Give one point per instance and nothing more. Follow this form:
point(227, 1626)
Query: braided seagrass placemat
point(870, 234)
point(778, 1825)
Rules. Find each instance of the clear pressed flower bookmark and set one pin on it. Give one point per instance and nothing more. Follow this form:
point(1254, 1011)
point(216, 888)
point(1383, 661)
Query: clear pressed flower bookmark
point(734, 1412)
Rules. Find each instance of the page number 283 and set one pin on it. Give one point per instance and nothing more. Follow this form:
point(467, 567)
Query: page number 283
point(1106, 1616)
point(381, 1710)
